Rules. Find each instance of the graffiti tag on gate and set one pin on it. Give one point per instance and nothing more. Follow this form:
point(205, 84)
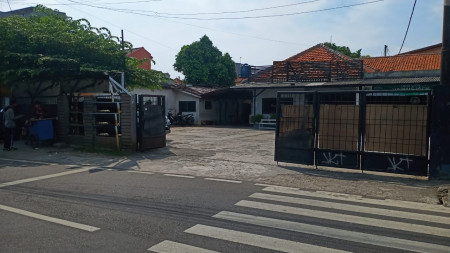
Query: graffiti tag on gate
point(333, 158)
point(400, 164)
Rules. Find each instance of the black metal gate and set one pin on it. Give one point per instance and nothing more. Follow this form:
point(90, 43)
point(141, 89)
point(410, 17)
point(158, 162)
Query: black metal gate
point(384, 131)
point(151, 122)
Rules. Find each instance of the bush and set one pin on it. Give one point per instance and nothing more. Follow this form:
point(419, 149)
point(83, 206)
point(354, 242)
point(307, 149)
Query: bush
point(257, 118)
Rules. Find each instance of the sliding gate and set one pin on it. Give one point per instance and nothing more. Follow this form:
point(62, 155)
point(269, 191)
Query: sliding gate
point(384, 131)
point(151, 122)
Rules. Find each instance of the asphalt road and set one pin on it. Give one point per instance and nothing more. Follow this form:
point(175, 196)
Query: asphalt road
point(68, 208)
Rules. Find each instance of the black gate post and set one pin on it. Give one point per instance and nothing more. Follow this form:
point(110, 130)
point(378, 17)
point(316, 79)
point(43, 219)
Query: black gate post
point(361, 128)
point(316, 124)
point(440, 114)
point(440, 133)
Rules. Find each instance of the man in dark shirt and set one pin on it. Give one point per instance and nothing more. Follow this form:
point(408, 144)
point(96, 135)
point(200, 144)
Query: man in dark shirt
point(9, 121)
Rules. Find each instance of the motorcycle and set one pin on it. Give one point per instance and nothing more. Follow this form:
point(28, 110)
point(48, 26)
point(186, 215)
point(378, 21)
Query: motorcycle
point(168, 123)
point(180, 119)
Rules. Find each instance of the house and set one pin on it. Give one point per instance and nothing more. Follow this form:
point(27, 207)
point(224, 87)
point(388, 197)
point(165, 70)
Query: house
point(205, 103)
point(433, 49)
point(24, 12)
point(141, 53)
point(322, 68)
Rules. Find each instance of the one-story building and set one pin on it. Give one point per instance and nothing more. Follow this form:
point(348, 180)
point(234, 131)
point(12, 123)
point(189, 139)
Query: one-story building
point(324, 69)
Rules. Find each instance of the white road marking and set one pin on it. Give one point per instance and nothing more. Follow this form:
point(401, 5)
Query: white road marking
point(256, 240)
point(33, 179)
point(410, 227)
point(360, 199)
point(377, 240)
point(224, 180)
point(271, 185)
point(49, 219)
point(353, 208)
point(36, 162)
point(177, 175)
point(140, 172)
point(175, 247)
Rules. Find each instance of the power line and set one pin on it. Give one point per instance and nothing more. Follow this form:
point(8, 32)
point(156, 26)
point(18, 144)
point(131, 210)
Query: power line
point(111, 3)
point(197, 26)
point(407, 29)
point(232, 12)
point(9, 5)
point(280, 15)
point(136, 34)
point(138, 12)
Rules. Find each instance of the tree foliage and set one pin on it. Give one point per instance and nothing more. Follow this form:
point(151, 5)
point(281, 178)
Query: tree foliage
point(203, 63)
point(49, 46)
point(345, 50)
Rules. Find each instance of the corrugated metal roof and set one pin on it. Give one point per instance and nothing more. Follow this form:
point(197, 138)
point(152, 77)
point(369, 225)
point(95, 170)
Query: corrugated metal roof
point(363, 82)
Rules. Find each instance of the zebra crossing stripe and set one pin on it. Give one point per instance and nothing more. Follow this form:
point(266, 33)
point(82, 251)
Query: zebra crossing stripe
point(410, 227)
point(353, 208)
point(175, 247)
point(256, 240)
point(333, 233)
point(360, 199)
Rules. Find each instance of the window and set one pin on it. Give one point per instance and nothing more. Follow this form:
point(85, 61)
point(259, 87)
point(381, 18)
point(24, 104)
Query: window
point(208, 105)
point(269, 105)
point(186, 106)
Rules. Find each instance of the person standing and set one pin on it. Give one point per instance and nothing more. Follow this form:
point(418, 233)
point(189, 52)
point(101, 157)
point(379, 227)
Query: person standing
point(9, 121)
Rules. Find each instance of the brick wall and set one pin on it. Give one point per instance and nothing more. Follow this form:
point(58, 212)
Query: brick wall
point(140, 54)
point(88, 121)
point(128, 121)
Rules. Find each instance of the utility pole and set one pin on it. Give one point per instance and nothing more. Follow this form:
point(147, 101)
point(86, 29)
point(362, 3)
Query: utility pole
point(122, 76)
point(445, 64)
point(385, 50)
point(123, 44)
point(440, 108)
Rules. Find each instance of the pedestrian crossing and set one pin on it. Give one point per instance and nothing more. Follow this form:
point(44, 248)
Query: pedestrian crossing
point(281, 219)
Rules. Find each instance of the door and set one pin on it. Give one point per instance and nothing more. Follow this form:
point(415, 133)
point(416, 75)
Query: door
point(151, 122)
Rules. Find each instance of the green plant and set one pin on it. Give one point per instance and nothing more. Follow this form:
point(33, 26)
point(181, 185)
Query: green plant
point(273, 116)
point(257, 118)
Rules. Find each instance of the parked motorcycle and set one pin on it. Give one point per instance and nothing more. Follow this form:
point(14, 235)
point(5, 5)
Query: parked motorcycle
point(168, 123)
point(180, 119)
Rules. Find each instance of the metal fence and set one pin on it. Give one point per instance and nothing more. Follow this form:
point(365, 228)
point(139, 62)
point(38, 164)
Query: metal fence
point(368, 130)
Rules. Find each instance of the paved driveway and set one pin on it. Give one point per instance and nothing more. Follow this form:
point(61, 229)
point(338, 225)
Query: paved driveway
point(240, 154)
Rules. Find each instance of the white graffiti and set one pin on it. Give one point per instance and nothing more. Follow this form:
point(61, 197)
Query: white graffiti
point(395, 165)
point(337, 159)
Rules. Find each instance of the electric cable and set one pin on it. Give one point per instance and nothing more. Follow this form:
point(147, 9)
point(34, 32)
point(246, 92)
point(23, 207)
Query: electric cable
point(137, 12)
point(232, 12)
point(9, 5)
point(407, 29)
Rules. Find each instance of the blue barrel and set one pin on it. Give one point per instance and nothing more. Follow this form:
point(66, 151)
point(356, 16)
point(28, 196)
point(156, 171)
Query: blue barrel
point(245, 70)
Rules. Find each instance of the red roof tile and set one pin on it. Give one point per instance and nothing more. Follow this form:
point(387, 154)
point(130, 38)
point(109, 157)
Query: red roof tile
point(404, 63)
point(318, 52)
point(433, 49)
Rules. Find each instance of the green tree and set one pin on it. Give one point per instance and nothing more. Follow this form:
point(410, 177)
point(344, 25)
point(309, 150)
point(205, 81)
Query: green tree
point(203, 63)
point(49, 46)
point(345, 50)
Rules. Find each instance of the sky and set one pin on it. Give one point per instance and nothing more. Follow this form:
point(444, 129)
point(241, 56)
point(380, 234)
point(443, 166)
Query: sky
point(257, 32)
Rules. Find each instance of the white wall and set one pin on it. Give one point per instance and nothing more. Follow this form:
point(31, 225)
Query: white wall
point(180, 96)
point(271, 93)
point(171, 103)
point(211, 114)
